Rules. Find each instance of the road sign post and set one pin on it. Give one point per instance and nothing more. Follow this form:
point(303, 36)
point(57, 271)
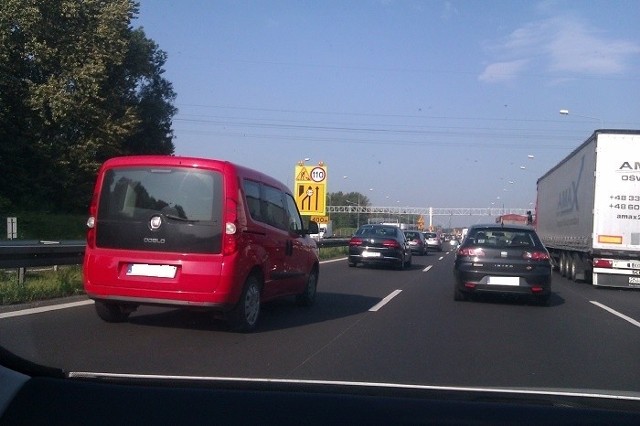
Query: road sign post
point(12, 228)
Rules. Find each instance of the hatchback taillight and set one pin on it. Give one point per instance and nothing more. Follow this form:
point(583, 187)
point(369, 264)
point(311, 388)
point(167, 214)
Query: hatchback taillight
point(470, 251)
point(535, 255)
point(391, 244)
point(355, 241)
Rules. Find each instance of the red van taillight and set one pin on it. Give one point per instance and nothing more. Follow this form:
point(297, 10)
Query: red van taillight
point(91, 232)
point(91, 223)
point(230, 240)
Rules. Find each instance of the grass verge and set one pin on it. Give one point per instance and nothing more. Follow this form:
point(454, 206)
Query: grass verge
point(67, 281)
point(40, 284)
point(333, 252)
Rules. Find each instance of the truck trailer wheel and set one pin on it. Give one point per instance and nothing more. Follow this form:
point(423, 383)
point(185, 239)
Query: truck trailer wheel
point(576, 268)
point(563, 264)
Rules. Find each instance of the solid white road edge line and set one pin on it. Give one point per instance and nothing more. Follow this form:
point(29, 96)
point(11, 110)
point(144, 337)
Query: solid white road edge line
point(333, 260)
point(616, 313)
point(385, 300)
point(629, 396)
point(45, 309)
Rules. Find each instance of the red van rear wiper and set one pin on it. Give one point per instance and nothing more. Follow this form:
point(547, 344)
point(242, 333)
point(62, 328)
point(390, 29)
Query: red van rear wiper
point(181, 219)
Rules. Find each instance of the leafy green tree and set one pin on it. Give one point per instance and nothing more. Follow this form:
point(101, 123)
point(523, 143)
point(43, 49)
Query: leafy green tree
point(347, 220)
point(78, 85)
point(153, 98)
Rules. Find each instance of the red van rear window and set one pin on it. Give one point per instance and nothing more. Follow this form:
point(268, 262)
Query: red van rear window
point(185, 205)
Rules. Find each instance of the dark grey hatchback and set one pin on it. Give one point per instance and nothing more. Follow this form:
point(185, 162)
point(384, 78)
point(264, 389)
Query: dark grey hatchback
point(502, 259)
point(384, 244)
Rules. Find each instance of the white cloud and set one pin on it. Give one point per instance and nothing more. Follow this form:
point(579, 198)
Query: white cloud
point(576, 49)
point(502, 71)
point(448, 10)
point(562, 44)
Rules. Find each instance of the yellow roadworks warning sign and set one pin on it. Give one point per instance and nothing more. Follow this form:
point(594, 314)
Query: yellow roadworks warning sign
point(310, 189)
point(302, 174)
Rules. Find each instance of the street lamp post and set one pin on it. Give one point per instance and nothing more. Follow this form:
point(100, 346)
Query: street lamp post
point(357, 210)
point(566, 112)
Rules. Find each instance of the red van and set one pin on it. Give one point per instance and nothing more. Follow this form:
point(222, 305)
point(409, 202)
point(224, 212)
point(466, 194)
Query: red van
point(193, 232)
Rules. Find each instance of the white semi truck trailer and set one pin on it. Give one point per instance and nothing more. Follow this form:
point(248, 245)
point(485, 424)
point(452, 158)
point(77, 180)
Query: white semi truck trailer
point(588, 210)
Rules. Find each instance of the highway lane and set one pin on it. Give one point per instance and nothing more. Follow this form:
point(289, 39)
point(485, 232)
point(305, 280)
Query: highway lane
point(419, 336)
point(429, 338)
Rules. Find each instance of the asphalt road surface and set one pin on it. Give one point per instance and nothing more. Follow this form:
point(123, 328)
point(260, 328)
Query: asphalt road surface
point(369, 324)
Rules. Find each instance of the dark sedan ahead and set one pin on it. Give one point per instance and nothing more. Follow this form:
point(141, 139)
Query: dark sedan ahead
point(502, 259)
point(383, 244)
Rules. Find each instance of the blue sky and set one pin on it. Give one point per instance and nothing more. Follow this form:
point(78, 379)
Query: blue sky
point(412, 103)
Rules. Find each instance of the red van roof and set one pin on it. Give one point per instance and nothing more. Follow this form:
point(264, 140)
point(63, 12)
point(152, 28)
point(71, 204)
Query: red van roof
point(171, 160)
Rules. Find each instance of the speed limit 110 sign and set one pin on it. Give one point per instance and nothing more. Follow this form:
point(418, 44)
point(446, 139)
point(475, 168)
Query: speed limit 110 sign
point(318, 174)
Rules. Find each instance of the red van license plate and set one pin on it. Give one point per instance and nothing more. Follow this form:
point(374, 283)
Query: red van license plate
point(146, 270)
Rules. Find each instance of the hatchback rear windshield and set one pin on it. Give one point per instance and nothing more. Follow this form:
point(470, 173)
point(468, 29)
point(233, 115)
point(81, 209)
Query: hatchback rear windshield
point(502, 238)
point(378, 231)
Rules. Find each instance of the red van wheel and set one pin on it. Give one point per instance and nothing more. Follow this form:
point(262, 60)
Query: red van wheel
point(112, 312)
point(244, 316)
point(309, 295)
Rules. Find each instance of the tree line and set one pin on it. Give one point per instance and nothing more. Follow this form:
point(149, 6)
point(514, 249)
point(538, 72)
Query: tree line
point(346, 220)
point(78, 85)
point(352, 220)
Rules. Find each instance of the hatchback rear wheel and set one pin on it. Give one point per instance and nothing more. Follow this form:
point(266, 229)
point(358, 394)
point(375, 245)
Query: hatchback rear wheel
point(542, 300)
point(459, 296)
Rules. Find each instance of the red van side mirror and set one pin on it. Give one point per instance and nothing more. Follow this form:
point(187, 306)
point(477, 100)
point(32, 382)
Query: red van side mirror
point(313, 228)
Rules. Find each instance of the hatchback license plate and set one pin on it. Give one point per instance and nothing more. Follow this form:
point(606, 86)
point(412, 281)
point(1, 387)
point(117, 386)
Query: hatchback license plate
point(503, 281)
point(370, 254)
point(146, 270)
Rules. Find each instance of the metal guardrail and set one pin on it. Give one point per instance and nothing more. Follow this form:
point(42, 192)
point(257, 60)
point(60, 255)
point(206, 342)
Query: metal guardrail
point(429, 211)
point(30, 253)
point(333, 242)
